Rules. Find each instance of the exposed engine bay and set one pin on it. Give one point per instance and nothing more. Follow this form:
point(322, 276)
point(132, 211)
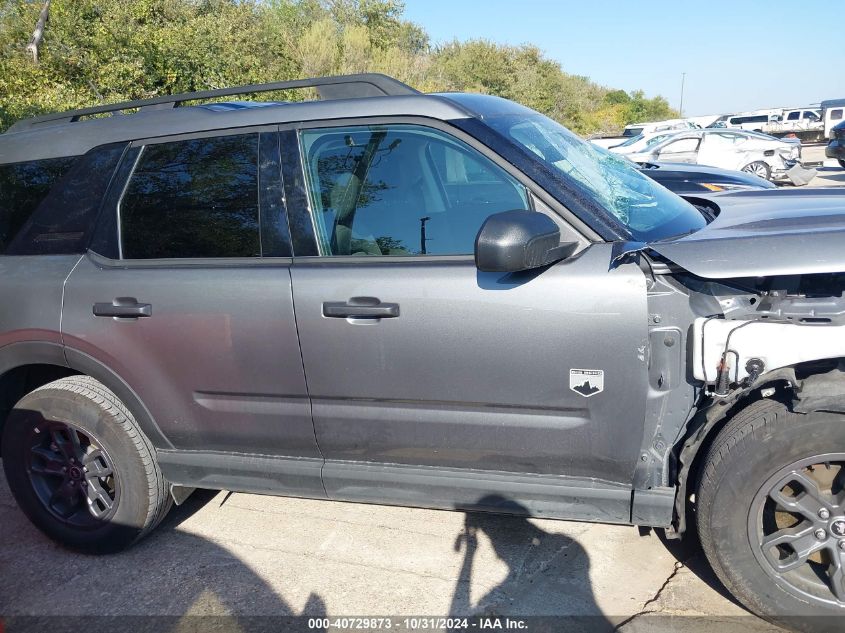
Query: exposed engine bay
point(759, 325)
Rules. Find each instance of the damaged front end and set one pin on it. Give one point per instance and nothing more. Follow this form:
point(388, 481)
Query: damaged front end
point(770, 324)
point(757, 300)
point(767, 274)
point(770, 337)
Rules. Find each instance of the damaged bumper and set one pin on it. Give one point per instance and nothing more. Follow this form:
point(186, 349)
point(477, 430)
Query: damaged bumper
point(794, 173)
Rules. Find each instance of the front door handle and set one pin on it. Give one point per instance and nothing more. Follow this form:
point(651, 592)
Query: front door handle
point(360, 308)
point(123, 307)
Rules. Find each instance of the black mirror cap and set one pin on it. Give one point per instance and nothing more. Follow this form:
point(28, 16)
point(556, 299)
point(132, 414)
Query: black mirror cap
point(512, 241)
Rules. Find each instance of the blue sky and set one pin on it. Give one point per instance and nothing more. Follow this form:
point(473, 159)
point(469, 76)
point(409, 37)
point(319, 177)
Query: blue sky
point(740, 55)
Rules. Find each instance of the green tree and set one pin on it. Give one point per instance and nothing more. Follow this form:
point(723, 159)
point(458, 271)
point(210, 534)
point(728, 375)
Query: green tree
point(616, 97)
point(102, 51)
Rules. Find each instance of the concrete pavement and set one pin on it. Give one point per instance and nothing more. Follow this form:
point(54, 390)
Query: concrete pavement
point(248, 555)
point(830, 174)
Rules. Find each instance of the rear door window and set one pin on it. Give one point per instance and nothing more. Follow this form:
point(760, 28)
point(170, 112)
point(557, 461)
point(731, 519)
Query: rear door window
point(23, 186)
point(195, 198)
point(681, 146)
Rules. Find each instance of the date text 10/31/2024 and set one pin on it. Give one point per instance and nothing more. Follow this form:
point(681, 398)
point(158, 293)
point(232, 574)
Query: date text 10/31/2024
point(419, 624)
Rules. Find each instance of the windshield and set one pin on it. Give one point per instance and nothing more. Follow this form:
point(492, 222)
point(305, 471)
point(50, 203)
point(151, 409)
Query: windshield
point(631, 141)
point(647, 210)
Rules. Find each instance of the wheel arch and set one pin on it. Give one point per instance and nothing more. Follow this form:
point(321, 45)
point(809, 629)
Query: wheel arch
point(27, 365)
point(804, 387)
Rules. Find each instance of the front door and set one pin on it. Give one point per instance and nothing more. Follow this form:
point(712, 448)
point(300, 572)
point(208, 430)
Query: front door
point(425, 373)
point(684, 150)
point(188, 299)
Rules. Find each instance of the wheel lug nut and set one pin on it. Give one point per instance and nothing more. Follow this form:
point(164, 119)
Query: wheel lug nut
point(820, 534)
point(842, 545)
point(824, 513)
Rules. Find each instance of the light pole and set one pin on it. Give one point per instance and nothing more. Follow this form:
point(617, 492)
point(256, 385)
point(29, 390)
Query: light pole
point(683, 78)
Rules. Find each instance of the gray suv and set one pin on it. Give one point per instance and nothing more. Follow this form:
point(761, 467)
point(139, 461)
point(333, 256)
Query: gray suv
point(436, 300)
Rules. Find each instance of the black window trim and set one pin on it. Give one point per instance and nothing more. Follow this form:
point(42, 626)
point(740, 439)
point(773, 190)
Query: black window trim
point(119, 202)
point(117, 190)
point(542, 201)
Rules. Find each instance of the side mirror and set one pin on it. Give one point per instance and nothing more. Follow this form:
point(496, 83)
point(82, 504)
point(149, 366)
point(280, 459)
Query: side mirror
point(512, 241)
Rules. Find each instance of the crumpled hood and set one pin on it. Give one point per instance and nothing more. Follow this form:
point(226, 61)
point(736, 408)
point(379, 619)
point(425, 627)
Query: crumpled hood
point(765, 233)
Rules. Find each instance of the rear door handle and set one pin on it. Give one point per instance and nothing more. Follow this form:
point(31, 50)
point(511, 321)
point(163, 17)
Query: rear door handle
point(360, 308)
point(123, 307)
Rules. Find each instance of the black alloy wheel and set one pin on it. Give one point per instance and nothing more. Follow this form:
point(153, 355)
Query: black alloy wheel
point(72, 475)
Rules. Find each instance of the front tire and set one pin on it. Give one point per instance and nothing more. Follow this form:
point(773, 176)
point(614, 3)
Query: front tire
point(841, 163)
point(80, 467)
point(758, 168)
point(771, 513)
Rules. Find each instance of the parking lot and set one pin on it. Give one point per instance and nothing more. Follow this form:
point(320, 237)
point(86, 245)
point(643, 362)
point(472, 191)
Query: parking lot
point(248, 555)
point(575, 260)
point(830, 174)
point(829, 177)
point(245, 555)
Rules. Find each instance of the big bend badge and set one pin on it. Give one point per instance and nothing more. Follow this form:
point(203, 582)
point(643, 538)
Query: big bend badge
point(587, 382)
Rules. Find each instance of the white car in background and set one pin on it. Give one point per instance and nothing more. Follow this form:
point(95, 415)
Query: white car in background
point(635, 129)
point(751, 152)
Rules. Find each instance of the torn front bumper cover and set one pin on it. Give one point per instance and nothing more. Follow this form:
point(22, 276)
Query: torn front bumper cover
point(794, 173)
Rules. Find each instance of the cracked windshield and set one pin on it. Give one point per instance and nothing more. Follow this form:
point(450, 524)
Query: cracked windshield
point(647, 210)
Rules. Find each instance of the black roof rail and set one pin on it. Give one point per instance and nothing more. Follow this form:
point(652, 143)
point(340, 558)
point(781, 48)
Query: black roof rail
point(339, 87)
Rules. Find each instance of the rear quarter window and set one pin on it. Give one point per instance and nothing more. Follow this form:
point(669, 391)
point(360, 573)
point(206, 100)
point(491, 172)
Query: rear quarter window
point(62, 222)
point(23, 187)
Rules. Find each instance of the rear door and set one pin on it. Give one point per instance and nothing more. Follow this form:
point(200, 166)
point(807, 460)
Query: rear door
point(433, 383)
point(186, 295)
point(728, 150)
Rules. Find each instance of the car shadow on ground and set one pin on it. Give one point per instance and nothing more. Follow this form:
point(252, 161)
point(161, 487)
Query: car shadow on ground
point(189, 583)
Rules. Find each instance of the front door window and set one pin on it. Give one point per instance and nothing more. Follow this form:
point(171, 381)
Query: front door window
point(401, 190)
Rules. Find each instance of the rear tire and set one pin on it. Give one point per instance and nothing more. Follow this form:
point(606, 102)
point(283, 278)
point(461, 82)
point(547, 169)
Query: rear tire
point(759, 168)
point(762, 467)
point(80, 467)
